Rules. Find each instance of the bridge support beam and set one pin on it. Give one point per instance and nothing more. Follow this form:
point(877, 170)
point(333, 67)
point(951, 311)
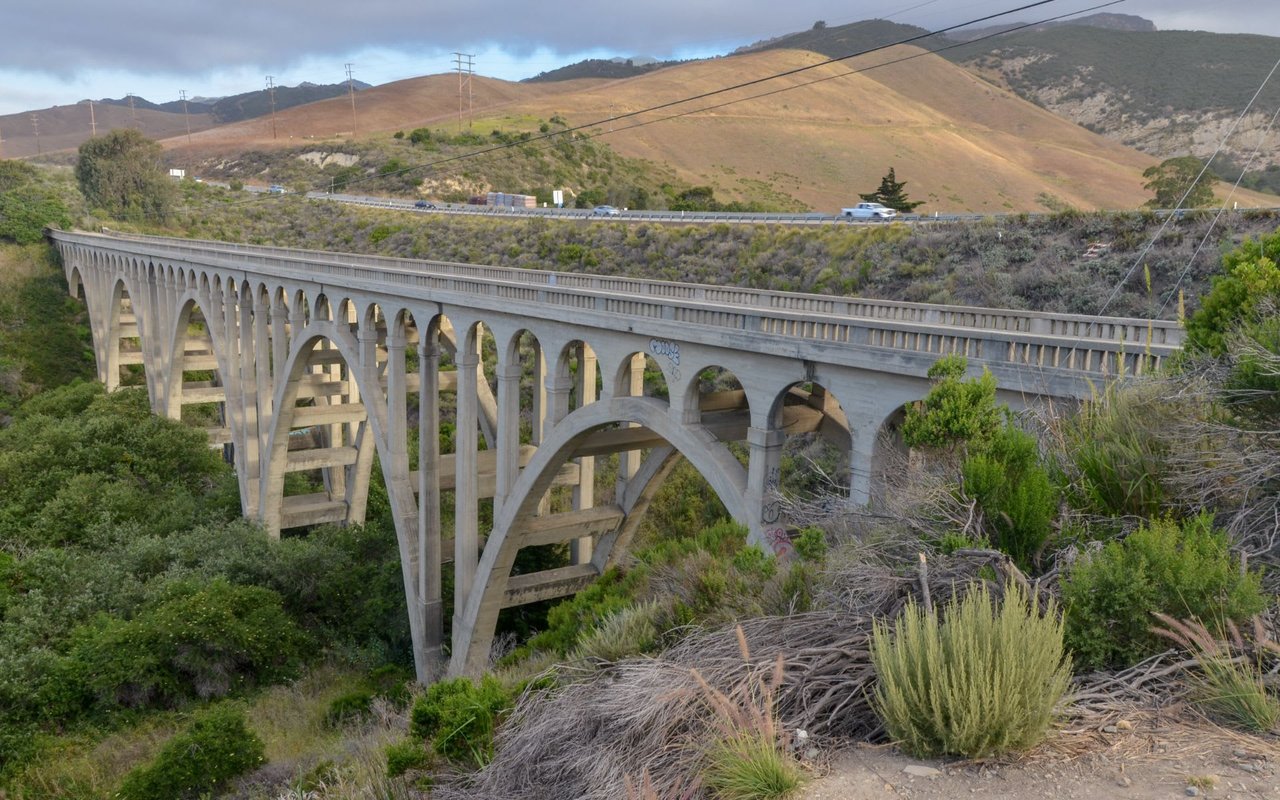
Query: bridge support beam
point(430, 557)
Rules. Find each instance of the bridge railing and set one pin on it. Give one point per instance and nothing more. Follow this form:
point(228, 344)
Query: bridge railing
point(1114, 329)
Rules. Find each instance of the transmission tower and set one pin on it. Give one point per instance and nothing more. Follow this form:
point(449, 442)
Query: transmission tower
point(133, 111)
point(185, 116)
point(93, 121)
point(351, 90)
point(464, 64)
point(35, 123)
point(271, 91)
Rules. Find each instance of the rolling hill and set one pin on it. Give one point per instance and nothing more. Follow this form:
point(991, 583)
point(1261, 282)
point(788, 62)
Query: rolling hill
point(962, 144)
point(65, 127)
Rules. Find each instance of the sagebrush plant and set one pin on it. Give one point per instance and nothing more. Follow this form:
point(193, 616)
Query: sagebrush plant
point(750, 758)
point(1231, 686)
point(1180, 569)
point(1115, 463)
point(979, 678)
point(217, 747)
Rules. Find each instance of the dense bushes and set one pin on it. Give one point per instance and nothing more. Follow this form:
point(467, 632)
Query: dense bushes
point(977, 679)
point(458, 717)
point(1182, 570)
point(217, 747)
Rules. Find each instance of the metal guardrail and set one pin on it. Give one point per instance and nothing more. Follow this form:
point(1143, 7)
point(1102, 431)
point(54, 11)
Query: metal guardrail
point(1133, 350)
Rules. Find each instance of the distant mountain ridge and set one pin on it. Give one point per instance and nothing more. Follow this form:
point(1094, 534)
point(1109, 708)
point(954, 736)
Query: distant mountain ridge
point(246, 105)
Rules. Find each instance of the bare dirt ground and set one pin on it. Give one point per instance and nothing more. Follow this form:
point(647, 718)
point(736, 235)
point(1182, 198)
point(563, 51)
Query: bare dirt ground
point(1134, 757)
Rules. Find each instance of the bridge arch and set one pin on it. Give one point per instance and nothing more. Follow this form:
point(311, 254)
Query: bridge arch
point(704, 451)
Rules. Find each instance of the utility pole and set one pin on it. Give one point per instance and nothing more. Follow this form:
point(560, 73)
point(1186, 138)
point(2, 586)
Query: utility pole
point(351, 90)
point(464, 64)
point(185, 116)
point(133, 111)
point(35, 123)
point(271, 91)
point(93, 121)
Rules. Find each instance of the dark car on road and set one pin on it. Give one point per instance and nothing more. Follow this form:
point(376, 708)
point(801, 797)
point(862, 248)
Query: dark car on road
point(424, 204)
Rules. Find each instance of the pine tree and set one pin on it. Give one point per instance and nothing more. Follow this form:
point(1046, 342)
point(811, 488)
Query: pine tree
point(891, 194)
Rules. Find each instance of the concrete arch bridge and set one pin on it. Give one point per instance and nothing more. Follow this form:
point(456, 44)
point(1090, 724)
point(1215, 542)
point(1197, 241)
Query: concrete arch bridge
point(317, 362)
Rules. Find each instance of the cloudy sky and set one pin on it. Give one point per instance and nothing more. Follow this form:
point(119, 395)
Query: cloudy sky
point(54, 52)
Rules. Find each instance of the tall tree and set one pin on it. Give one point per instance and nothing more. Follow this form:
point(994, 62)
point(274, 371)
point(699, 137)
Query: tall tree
point(122, 174)
point(891, 194)
point(1175, 178)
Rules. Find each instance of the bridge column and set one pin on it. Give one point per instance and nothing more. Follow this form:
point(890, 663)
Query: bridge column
point(508, 429)
point(765, 528)
point(263, 318)
point(629, 460)
point(864, 429)
point(466, 537)
point(430, 556)
point(243, 360)
point(584, 493)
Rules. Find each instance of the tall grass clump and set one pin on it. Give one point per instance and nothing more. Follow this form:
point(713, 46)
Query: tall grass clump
point(1230, 688)
point(749, 759)
point(979, 679)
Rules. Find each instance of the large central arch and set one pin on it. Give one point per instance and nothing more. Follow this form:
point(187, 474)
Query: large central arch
point(517, 525)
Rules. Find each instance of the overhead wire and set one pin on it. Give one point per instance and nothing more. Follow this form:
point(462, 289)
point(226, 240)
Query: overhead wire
point(734, 87)
point(1115, 292)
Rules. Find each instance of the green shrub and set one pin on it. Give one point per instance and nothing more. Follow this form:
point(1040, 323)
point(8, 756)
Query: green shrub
point(1183, 571)
point(1250, 276)
point(1114, 458)
point(751, 767)
point(628, 632)
point(979, 679)
point(404, 756)
point(348, 707)
point(459, 717)
point(1013, 490)
point(955, 411)
point(217, 747)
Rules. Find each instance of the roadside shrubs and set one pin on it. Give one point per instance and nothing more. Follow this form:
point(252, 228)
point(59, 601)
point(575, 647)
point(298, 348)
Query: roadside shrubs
point(458, 718)
point(979, 678)
point(1183, 570)
point(217, 747)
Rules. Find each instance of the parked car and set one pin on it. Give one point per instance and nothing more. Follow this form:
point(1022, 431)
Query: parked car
point(604, 211)
point(424, 204)
point(276, 189)
point(868, 211)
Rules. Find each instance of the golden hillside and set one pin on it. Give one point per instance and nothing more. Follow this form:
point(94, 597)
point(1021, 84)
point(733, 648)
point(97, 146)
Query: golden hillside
point(961, 144)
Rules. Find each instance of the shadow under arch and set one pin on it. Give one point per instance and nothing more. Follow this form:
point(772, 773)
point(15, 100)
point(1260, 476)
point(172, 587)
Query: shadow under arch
point(712, 459)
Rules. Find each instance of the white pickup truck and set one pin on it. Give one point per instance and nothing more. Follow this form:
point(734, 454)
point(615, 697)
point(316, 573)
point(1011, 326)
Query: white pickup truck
point(868, 211)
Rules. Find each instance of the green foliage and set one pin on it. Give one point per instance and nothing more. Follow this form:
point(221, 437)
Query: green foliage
point(627, 632)
point(1250, 276)
point(76, 478)
point(217, 747)
point(202, 641)
point(26, 209)
point(1175, 186)
point(122, 173)
point(977, 680)
point(751, 767)
point(348, 707)
point(1182, 570)
point(1116, 462)
point(1235, 691)
point(1013, 490)
point(459, 717)
point(811, 544)
point(891, 193)
point(955, 412)
point(404, 756)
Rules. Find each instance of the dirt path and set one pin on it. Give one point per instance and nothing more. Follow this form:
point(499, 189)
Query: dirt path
point(1142, 762)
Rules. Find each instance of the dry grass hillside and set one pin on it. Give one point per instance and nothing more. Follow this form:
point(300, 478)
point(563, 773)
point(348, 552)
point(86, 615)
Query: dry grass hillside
point(65, 127)
point(962, 144)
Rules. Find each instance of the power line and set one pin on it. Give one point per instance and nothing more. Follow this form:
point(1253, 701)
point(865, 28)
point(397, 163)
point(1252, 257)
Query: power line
point(1221, 144)
point(351, 90)
point(465, 72)
point(639, 124)
point(271, 92)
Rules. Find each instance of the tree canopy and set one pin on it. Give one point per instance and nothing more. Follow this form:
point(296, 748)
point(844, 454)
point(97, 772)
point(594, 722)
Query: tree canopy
point(1175, 186)
point(122, 174)
point(891, 194)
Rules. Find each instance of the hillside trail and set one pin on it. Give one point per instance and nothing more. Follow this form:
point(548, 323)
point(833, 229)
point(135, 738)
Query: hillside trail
point(1133, 759)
